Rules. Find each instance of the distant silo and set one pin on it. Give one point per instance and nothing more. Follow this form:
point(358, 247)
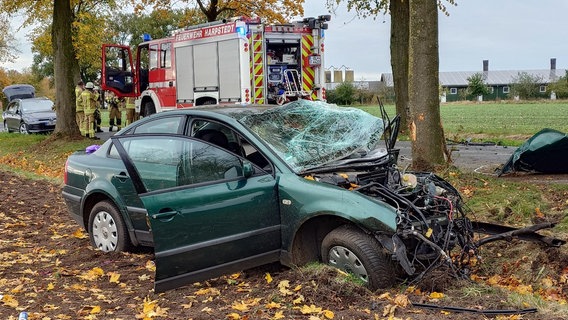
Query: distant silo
point(337, 76)
point(349, 75)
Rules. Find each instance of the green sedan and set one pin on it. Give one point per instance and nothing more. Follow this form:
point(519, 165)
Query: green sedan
point(220, 189)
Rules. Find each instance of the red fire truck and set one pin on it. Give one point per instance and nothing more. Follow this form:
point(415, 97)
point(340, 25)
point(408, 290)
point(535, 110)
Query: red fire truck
point(235, 61)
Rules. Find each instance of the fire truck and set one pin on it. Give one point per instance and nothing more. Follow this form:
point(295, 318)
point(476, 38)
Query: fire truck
point(235, 61)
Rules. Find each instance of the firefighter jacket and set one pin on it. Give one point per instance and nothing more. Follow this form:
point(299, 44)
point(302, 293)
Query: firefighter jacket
point(89, 101)
point(130, 103)
point(78, 100)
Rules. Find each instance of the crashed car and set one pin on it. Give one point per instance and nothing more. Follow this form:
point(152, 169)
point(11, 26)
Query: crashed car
point(219, 189)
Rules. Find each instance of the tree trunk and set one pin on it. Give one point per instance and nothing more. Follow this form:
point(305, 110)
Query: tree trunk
point(399, 10)
point(426, 133)
point(65, 69)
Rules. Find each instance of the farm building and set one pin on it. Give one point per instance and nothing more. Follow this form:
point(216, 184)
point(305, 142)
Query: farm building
point(454, 84)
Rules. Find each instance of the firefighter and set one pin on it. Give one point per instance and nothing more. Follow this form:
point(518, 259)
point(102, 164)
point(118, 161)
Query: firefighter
point(114, 113)
point(79, 114)
point(130, 116)
point(98, 118)
point(88, 99)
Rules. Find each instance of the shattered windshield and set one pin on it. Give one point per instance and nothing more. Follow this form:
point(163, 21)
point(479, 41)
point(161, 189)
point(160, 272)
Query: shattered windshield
point(310, 134)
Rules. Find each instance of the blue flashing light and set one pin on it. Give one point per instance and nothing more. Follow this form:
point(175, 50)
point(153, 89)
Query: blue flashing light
point(146, 37)
point(241, 31)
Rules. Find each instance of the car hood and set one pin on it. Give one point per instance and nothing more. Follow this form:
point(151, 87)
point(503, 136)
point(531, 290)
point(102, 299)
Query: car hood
point(312, 134)
point(40, 115)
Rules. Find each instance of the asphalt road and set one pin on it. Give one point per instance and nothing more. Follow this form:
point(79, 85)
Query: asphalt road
point(479, 158)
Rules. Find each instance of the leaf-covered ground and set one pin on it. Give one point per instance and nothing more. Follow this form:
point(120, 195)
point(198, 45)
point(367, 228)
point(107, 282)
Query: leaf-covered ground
point(48, 269)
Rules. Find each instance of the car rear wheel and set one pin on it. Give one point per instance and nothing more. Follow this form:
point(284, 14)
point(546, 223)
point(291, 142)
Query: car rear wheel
point(107, 231)
point(24, 128)
point(351, 250)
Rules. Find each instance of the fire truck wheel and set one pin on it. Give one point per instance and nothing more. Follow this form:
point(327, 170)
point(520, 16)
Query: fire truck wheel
point(149, 108)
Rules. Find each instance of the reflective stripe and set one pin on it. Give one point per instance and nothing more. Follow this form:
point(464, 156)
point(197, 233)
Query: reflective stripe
point(308, 74)
point(257, 68)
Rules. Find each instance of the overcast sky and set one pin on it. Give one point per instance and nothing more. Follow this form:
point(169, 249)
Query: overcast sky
point(511, 34)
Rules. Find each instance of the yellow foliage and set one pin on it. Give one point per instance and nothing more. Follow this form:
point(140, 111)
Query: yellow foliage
point(436, 295)
point(114, 277)
point(268, 278)
point(10, 301)
point(283, 288)
point(150, 266)
point(310, 309)
point(298, 300)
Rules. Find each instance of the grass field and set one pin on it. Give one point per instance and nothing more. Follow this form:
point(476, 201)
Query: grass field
point(504, 123)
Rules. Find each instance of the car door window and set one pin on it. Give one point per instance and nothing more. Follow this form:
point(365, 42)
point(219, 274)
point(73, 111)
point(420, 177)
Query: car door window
point(228, 139)
point(161, 125)
point(12, 107)
point(167, 162)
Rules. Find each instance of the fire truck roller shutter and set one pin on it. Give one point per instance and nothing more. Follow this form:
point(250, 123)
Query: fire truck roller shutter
point(184, 74)
point(230, 78)
point(206, 67)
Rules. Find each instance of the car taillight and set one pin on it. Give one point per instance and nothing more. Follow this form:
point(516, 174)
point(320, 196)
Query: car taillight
point(65, 172)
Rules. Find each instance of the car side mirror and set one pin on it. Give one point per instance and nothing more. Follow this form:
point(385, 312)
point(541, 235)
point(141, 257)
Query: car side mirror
point(248, 169)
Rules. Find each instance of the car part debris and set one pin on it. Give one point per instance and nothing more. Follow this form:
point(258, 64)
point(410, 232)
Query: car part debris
point(545, 152)
point(476, 311)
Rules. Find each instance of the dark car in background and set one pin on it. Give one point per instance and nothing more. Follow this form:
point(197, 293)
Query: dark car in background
point(32, 115)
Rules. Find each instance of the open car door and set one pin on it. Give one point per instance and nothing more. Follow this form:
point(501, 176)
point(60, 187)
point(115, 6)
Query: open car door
point(210, 211)
point(118, 73)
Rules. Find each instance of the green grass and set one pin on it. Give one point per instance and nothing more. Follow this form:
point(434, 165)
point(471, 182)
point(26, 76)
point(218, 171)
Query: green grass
point(502, 123)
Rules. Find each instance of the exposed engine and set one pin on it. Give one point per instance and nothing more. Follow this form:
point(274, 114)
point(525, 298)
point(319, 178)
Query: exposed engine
point(433, 229)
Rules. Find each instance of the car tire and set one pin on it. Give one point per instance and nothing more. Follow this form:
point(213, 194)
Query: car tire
point(149, 109)
point(24, 128)
point(107, 230)
point(351, 250)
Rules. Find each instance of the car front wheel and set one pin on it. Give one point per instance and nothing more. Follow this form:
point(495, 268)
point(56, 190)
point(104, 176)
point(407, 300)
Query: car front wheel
point(351, 250)
point(107, 231)
point(24, 128)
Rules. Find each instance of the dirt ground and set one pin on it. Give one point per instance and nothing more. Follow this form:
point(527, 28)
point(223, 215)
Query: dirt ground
point(49, 269)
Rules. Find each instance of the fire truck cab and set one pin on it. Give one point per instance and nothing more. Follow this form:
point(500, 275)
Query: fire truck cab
point(235, 61)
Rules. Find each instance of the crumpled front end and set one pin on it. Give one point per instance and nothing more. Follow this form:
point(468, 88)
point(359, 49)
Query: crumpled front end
point(433, 229)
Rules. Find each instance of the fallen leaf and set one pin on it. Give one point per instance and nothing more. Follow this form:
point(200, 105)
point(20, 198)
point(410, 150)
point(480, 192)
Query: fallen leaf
point(268, 278)
point(114, 277)
point(436, 295)
point(310, 309)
